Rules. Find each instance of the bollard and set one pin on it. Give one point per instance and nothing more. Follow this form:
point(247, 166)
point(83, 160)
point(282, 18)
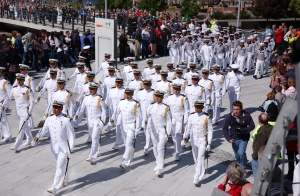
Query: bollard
point(73, 20)
point(52, 19)
point(44, 19)
point(84, 22)
point(21, 15)
point(14, 13)
point(28, 16)
point(62, 24)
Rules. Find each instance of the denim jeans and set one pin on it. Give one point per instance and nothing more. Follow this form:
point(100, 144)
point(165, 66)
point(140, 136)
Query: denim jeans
point(45, 59)
point(35, 58)
point(239, 148)
point(255, 165)
point(52, 55)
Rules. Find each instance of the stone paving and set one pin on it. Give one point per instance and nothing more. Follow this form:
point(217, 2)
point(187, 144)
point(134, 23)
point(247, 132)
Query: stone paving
point(30, 172)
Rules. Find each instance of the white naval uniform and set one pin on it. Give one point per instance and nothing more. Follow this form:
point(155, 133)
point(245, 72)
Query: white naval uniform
point(154, 77)
point(5, 88)
point(188, 76)
point(80, 81)
point(62, 142)
point(164, 86)
point(174, 47)
point(24, 105)
point(95, 110)
point(66, 97)
point(148, 72)
point(181, 81)
point(198, 128)
point(261, 55)
point(50, 85)
point(112, 100)
point(233, 85)
point(130, 77)
point(131, 119)
point(188, 52)
point(194, 93)
point(241, 55)
point(250, 54)
point(208, 86)
point(220, 53)
point(206, 55)
point(217, 94)
point(108, 83)
point(179, 107)
point(171, 75)
point(104, 67)
point(126, 70)
point(60, 73)
point(145, 98)
point(159, 124)
point(136, 85)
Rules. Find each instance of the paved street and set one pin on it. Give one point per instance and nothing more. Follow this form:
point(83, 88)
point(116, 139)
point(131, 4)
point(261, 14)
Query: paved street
point(30, 172)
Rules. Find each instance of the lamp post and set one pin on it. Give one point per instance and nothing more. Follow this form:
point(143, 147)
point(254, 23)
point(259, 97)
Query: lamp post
point(238, 16)
point(105, 8)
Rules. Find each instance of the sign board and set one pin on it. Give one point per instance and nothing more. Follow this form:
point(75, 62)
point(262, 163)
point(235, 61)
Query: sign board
point(105, 41)
point(83, 12)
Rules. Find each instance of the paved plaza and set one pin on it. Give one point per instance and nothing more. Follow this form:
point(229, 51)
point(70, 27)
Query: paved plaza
point(30, 172)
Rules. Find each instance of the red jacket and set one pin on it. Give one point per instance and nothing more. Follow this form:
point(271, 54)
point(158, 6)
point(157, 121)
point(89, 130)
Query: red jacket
point(235, 190)
point(278, 36)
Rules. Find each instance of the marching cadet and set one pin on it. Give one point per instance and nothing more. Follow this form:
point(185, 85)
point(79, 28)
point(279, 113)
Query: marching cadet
point(174, 47)
point(179, 107)
point(24, 105)
point(112, 100)
point(127, 68)
point(130, 76)
point(95, 109)
point(108, 82)
point(227, 48)
point(90, 76)
point(197, 44)
point(53, 65)
point(155, 76)
point(180, 80)
point(80, 78)
point(149, 69)
point(208, 86)
point(49, 85)
point(5, 88)
point(261, 56)
point(87, 54)
point(178, 38)
point(171, 72)
point(62, 137)
point(269, 49)
point(131, 118)
point(195, 92)
point(159, 121)
point(183, 39)
point(220, 52)
point(136, 83)
point(241, 55)
point(200, 130)
point(62, 95)
point(250, 54)
point(76, 71)
point(164, 85)
point(29, 80)
point(231, 44)
point(104, 65)
point(233, 84)
point(212, 44)
point(189, 73)
point(188, 48)
point(145, 97)
point(206, 54)
point(217, 93)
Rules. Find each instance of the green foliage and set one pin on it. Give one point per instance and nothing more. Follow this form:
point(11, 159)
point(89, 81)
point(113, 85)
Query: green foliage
point(295, 6)
point(75, 4)
point(245, 15)
point(113, 4)
point(274, 9)
point(153, 5)
point(189, 8)
point(224, 16)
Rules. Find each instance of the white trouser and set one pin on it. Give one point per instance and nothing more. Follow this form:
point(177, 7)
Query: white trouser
point(249, 61)
point(266, 65)
point(173, 54)
point(231, 56)
point(95, 127)
point(233, 96)
point(220, 61)
point(4, 127)
point(216, 104)
point(198, 149)
point(189, 54)
point(241, 62)
point(25, 129)
point(183, 57)
point(118, 131)
point(159, 141)
point(225, 62)
point(259, 67)
point(206, 62)
point(177, 134)
point(61, 164)
point(148, 137)
point(128, 136)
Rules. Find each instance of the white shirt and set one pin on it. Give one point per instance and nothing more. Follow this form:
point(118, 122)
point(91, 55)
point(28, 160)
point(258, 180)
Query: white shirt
point(218, 83)
point(145, 98)
point(159, 118)
point(60, 73)
point(86, 91)
point(181, 81)
point(66, 97)
point(80, 81)
point(233, 82)
point(194, 93)
point(5, 89)
point(50, 86)
point(108, 83)
point(114, 96)
point(179, 107)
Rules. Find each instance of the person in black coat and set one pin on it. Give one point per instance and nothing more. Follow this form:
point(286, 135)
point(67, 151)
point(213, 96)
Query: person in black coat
point(122, 46)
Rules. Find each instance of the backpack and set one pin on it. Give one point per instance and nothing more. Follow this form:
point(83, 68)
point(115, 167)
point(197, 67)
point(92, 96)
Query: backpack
point(272, 111)
point(86, 41)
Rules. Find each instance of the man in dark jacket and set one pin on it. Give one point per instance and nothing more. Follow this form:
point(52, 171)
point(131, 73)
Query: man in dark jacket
point(75, 41)
point(241, 124)
point(153, 41)
point(260, 139)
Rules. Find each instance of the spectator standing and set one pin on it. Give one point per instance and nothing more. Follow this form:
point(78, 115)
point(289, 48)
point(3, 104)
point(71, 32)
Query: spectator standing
point(286, 37)
point(13, 37)
point(145, 42)
point(51, 40)
point(43, 41)
point(13, 61)
point(26, 40)
point(137, 42)
point(19, 46)
point(241, 124)
point(152, 39)
point(37, 52)
point(164, 42)
point(278, 37)
point(75, 41)
point(122, 46)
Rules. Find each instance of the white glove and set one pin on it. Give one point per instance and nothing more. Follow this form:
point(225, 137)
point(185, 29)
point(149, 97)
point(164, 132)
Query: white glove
point(37, 88)
point(182, 143)
point(33, 143)
point(208, 147)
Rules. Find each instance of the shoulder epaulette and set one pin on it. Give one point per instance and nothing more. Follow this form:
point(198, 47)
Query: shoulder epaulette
point(135, 100)
point(207, 114)
point(169, 81)
point(86, 82)
point(209, 79)
point(182, 95)
point(126, 65)
point(152, 89)
point(132, 80)
point(158, 80)
point(87, 94)
point(153, 74)
point(51, 114)
point(189, 85)
point(129, 71)
point(106, 76)
point(141, 89)
point(69, 92)
point(79, 73)
point(113, 87)
point(152, 103)
point(27, 86)
point(171, 94)
point(183, 78)
point(201, 86)
point(165, 104)
point(99, 95)
point(192, 113)
point(15, 86)
point(122, 99)
point(48, 79)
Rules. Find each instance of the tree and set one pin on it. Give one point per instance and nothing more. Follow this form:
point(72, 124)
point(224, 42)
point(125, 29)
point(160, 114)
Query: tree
point(189, 8)
point(113, 4)
point(153, 5)
point(268, 9)
point(295, 6)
